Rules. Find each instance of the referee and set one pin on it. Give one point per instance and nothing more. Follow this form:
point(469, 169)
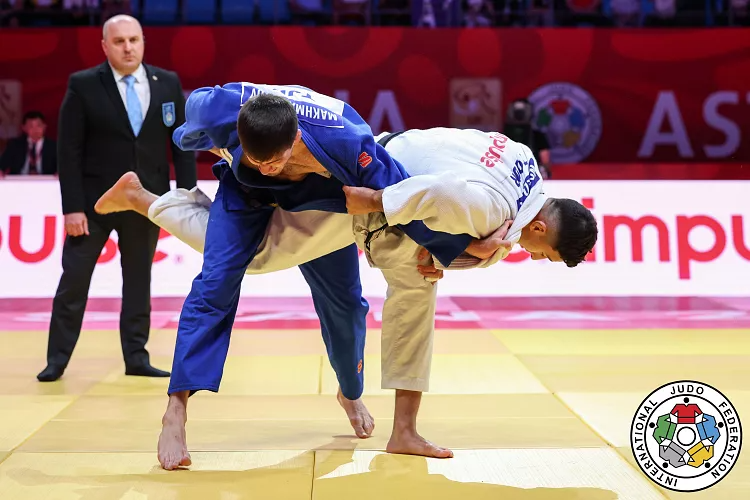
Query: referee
point(115, 117)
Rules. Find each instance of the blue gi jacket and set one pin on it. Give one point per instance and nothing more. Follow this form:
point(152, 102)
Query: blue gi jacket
point(335, 134)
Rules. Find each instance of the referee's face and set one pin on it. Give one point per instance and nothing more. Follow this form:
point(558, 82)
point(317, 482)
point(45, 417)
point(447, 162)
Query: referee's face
point(123, 45)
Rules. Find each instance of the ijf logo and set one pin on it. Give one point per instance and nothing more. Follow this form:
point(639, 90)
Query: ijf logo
point(686, 436)
point(571, 119)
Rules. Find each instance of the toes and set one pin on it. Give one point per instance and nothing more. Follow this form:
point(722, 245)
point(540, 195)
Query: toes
point(369, 426)
point(437, 451)
point(359, 429)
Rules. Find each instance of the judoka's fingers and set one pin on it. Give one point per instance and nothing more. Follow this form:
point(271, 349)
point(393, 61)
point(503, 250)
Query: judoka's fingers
point(361, 200)
point(506, 245)
point(430, 272)
point(354, 203)
point(85, 227)
point(423, 253)
point(502, 231)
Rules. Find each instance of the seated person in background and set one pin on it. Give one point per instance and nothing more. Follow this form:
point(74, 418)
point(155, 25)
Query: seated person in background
point(31, 153)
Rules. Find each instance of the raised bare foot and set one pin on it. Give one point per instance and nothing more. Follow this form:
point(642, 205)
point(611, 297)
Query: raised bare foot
point(361, 420)
point(173, 451)
point(411, 443)
point(121, 196)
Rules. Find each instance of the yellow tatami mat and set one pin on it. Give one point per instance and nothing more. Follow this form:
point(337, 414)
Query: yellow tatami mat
point(530, 415)
point(113, 476)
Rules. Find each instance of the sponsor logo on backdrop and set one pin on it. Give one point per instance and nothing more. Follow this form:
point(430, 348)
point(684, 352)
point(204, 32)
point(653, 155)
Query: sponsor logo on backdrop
point(51, 239)
point(476, 103)
point(686, 436)
point(664, 245)
point(570, 118)
point(724, 237)
point(11, 109)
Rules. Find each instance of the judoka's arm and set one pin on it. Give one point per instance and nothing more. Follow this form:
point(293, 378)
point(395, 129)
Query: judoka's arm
point(376, 169)
point(443, 202)
point(210, 118)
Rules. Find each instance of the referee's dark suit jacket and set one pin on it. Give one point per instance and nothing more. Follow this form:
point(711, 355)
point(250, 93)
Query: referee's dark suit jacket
point(96, 146)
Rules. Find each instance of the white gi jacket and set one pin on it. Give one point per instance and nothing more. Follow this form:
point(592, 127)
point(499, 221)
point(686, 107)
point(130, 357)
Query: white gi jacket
point(464, 181)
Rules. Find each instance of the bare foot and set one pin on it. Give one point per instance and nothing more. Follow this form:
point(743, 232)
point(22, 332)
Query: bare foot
point(411, 443)
point(126, 194)
point(173, 451)
point(361, 420)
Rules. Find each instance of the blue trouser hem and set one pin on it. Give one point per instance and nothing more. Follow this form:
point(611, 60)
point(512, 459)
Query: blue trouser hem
point(352, 396)
point(193, 389)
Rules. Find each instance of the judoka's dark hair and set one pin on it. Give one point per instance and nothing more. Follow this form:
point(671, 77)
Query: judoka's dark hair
point(576, 230)
point(266, 126)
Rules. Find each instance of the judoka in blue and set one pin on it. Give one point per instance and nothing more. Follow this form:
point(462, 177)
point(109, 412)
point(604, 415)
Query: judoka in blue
point(342, 142)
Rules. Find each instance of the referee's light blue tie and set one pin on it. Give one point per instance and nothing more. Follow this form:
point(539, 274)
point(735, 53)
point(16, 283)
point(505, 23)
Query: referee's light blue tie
point(135, 115)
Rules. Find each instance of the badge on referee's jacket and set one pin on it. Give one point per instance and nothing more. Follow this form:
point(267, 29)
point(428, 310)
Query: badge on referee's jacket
point(167, 113)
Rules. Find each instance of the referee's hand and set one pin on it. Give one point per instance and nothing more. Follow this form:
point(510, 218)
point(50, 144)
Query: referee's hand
point(76, 224)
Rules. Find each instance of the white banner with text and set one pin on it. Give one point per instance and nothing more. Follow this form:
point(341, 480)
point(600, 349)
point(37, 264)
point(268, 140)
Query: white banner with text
point(656, 238)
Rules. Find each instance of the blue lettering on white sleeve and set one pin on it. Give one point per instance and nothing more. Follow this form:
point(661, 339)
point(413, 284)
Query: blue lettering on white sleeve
point(532, 177)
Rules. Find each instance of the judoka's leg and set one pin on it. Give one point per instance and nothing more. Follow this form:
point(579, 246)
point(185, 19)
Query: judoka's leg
point(337, 294)
point(408, 327)
point(406, 353)
point(126, 194)
point(235, 230)
point(292, 238)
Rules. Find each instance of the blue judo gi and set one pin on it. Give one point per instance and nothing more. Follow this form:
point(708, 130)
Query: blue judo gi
point(343, 143)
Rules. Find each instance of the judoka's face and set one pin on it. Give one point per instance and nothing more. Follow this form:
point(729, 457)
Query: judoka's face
point(272, 167)
point(538, 239)
point(278, 164)
point(123, 44)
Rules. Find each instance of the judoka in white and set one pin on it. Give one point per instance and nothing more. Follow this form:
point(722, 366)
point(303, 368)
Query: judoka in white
point(462, 182)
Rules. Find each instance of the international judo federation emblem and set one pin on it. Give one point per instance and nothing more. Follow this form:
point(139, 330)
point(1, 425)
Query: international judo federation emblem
point(167, 113)
point(570, 118)
point(686, 436)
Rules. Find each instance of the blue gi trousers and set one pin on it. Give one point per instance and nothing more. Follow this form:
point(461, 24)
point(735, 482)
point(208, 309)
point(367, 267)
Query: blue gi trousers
point(236, 227)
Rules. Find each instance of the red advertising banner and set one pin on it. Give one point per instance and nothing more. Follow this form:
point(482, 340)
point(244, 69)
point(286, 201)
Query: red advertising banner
point(602, 96)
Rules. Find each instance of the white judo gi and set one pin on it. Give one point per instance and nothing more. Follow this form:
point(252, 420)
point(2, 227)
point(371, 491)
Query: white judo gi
point(462, 182)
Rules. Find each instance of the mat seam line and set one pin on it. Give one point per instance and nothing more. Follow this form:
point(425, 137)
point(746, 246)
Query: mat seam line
point(312, 478)
point(33, 433)
point(589, 427)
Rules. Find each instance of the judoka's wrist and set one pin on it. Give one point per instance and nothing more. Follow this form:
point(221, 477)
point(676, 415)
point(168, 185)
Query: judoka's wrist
point(376, 203)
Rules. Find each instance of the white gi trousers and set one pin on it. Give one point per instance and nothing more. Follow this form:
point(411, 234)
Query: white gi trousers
point(294, 238)
point(450, 190)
